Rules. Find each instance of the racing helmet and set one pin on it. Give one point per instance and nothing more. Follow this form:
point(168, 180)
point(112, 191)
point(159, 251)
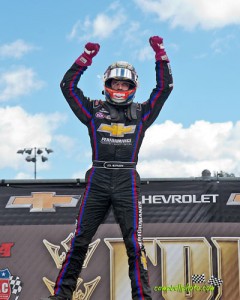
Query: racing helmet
point(120, 70)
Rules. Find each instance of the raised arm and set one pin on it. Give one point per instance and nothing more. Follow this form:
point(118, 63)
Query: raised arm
point(164, 83)
point(80, 105)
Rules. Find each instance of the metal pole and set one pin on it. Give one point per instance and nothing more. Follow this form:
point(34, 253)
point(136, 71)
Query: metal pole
point(35, 163)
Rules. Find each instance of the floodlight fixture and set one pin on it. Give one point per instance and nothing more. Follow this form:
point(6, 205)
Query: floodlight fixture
point(28, 151)
point(44, 158)
point(48, 150)
point(37, 153)
point(20, 151)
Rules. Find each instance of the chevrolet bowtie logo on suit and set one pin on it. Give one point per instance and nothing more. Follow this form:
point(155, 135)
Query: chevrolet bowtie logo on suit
point(117, 129)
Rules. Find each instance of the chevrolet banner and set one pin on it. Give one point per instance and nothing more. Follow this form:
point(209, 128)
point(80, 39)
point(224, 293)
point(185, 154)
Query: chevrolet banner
point(191, 234)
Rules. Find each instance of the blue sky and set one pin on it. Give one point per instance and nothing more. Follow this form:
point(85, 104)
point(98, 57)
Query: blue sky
point(199, 126)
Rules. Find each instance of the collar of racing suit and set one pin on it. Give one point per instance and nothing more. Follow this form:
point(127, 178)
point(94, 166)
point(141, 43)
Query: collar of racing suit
point(131, 111)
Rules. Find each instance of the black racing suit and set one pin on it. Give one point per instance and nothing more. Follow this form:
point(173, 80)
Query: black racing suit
point(114, 139)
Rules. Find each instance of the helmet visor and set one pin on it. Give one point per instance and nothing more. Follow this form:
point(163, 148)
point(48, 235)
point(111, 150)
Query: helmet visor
point(121, 71)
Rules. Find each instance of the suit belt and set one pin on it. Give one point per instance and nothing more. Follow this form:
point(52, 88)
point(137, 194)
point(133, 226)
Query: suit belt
point(114, 164)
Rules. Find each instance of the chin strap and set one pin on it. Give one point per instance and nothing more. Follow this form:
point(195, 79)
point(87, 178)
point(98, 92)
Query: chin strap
point(131, 111)
point(114, 113)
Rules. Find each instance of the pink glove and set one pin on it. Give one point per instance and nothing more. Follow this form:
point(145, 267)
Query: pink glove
point(85, 59)
point(156, 43)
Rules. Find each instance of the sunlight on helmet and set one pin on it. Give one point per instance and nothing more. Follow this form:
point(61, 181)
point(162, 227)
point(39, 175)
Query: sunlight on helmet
point(122, 71)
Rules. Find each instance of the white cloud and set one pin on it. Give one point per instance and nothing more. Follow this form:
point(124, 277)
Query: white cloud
point(132, 34)
point(220, 45)
point(145, 53)
point(66, 144)
point(169, 150)
point(190, 14)
point(114, 6)
point(77, 28)
point(101, 27)
point(22, 175)
point(104, 26)
point(19, 130)
point(15, 49)
point(18, 82)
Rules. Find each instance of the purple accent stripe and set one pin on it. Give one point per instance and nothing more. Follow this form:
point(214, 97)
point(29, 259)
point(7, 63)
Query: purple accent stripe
point(84, 110)
point(155, 96)
point(134, 237)
point(140, 126)
point(69, 254)
point(145, 117)
point(95, 148)
point(75, 96)
point(81, 211)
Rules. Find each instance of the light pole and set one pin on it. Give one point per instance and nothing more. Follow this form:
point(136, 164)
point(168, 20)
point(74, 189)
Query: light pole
point(32, 157)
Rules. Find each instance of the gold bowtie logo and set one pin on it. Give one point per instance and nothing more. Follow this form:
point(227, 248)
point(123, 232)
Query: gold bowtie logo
point(234, 199)
point(40, 202)
point(117, 129)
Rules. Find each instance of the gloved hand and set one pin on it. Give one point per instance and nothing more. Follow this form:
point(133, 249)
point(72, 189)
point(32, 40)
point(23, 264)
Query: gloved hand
point(90, 50)
point(156, 43)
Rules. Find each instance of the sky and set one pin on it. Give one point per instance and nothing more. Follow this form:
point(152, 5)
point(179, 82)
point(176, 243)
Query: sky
point(199, 125)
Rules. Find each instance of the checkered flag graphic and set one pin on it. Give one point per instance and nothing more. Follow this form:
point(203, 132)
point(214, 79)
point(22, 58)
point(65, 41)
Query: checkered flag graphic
point(16, 285)
point(215, 281)
point(196, 278)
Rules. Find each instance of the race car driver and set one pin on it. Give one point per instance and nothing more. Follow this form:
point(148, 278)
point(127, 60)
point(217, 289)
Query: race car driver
point(116, 128)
